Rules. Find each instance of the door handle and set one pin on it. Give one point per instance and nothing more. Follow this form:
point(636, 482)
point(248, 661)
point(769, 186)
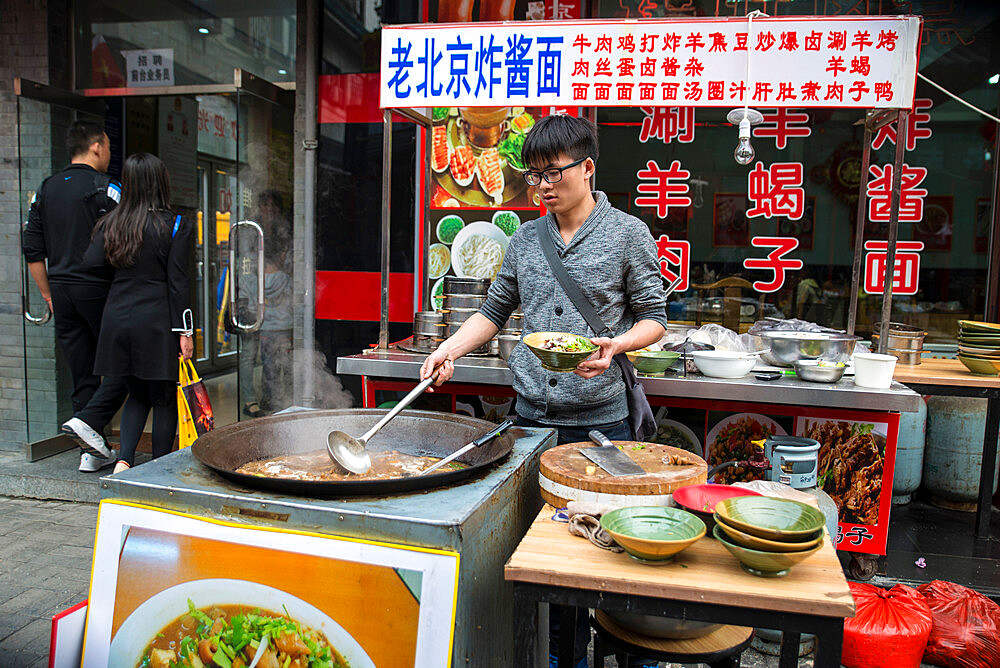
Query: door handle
point(233, 314)
point(25, 307)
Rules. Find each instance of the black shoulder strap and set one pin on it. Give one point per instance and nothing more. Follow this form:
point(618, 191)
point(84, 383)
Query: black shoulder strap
point(570, 286)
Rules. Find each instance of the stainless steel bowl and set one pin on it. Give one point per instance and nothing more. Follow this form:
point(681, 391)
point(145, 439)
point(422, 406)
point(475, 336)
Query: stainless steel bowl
point(463, 301)
point(787, 347)
point(662, 627)
point(812, 371)
point(460, 285)
point(507, 344)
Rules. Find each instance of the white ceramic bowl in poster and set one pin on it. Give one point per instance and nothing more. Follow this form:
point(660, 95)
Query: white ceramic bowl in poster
point(465, 234)
point(776, 429)
point(164, 607)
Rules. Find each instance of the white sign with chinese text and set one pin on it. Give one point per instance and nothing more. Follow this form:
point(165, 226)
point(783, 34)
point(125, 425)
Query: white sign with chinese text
point(862, 62)
point(149, 67)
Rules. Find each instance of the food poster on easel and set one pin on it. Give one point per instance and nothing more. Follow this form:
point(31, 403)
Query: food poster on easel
point(856, 461)
point(166, 586)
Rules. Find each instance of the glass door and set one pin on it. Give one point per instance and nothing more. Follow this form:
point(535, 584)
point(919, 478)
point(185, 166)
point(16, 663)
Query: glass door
point(261, 249)
point(44, 114)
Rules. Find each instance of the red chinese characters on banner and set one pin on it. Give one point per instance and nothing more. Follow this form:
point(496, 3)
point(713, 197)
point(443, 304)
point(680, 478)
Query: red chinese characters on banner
point(911, 198)
point(663, 192)
point(906, 272)
point(667, 124)
point(914, 126)
point(776, 191)
point(781, 124)
point(775, 261)
point(675, 260)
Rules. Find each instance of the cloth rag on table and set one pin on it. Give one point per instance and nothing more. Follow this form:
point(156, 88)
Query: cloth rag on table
point(585, 521)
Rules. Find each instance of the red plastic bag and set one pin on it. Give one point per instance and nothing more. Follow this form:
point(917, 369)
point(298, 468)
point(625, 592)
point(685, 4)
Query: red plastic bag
point(889, 629)
point(966, 631)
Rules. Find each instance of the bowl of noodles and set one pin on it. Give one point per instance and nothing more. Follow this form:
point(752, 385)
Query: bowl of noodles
point(228, 618)
point(438, 260)
point(559, 351)
point(478, 250)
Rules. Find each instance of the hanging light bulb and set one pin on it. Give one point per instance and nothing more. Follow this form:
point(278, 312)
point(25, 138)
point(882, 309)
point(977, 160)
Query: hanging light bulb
point(699, 192)
point(744, 154)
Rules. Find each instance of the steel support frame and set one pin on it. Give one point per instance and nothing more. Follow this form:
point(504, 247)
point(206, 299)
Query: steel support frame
point(828, 630)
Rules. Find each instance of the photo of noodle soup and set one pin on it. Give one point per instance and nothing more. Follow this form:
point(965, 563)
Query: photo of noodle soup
point(223, 622)
point(478, 250)
point(438, 260)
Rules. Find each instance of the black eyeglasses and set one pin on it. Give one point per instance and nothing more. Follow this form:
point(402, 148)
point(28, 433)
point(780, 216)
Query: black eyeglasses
point(552, 175)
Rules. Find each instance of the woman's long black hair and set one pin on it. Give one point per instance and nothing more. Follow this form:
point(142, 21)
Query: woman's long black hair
point(145, 195)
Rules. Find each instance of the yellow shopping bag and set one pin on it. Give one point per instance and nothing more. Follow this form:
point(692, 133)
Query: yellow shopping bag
point(194, 409)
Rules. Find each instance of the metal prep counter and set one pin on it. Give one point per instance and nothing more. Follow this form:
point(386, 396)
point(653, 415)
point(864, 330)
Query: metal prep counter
point(401, 365)
point(483, 520)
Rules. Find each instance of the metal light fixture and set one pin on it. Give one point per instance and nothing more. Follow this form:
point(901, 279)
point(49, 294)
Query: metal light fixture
point(699, 194)
point(746, 117)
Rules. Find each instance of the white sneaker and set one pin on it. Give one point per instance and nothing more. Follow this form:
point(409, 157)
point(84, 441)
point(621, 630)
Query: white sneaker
point(89, 440)
point(89, 463)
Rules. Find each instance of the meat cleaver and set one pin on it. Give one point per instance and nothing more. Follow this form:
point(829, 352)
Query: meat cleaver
point(610, 458)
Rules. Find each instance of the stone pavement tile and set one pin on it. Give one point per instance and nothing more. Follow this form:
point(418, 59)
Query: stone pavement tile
point(9, 589)
point(32, 636)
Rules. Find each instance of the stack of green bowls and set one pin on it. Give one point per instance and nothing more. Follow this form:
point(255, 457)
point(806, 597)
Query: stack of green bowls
point(768, 535)
point(979, 347)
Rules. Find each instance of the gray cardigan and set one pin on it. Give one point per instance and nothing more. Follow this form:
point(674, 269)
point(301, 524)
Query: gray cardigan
point(613, 259)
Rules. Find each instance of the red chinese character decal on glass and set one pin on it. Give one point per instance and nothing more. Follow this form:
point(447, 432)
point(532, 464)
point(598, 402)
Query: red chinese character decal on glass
point(914, 126)
point(662, 193)
point(775, 261)
point(667, 124)
point(911, 198)
point(776, 191)
point(906, 272)
point(781, 124)
point(675, 260)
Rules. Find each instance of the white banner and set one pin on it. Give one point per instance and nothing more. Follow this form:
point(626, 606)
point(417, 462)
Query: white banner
point(863, 62)
point(149, 67)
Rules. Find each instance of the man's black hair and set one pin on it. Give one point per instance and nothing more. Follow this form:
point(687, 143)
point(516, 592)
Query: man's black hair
point(81, 136)
point(569, 135)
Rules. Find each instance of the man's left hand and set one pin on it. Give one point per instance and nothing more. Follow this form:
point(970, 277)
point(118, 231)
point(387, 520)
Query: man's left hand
point(599, 362)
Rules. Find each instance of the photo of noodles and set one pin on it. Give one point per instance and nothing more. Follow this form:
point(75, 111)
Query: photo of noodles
point(480, 256)
point(438, 260)
point(231, 636)
point(851, 459)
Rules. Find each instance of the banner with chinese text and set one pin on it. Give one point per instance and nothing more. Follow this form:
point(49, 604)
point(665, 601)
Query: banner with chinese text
point(861, 62)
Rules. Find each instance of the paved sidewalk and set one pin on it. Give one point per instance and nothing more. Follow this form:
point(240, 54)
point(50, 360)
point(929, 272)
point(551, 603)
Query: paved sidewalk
point(45, 555)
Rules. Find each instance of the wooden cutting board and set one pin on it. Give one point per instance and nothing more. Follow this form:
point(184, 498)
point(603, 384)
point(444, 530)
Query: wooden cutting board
point(566, 475)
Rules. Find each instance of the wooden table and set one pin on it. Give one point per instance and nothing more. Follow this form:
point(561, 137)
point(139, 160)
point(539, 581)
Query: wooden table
point(948, 377)
point(703, 582)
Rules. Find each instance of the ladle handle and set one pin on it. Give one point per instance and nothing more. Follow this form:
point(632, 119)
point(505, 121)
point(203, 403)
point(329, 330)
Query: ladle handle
point(398, 408)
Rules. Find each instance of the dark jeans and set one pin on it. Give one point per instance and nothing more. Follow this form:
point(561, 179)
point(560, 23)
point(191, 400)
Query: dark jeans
point(616, 431)
point(77, 310)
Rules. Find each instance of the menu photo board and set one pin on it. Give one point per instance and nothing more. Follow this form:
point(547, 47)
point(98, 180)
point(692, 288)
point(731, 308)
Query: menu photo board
point(163, 582)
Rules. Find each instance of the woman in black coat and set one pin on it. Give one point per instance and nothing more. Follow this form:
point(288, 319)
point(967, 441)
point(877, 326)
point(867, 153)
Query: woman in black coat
point(147, 318)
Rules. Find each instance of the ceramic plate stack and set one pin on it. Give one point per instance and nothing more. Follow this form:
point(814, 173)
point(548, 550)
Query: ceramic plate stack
point(767, 535)
point(979, 346)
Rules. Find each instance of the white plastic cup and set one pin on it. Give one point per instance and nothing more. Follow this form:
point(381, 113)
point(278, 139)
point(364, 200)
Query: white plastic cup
point(873, 370)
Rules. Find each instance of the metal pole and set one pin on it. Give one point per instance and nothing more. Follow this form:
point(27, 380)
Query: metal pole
point(309, 144)
point(859, 227)
point(991, 310)
point(383, 330)
point(890, 254)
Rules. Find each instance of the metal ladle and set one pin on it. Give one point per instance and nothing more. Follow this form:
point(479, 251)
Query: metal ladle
point(350, 452)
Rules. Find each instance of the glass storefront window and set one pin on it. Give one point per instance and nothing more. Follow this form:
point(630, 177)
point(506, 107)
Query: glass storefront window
point(120, 43)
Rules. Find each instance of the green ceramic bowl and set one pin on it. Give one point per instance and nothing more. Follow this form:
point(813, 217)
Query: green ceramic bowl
point(983, 341)
point(979, 326)
point(554, 360)
point(653, 534)
point(652, 362)
point(980, 366)
point(763, 564)
point(770, 518)
point(744, 539)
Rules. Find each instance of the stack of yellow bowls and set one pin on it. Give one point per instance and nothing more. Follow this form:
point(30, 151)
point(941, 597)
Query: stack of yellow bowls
point(768, 535)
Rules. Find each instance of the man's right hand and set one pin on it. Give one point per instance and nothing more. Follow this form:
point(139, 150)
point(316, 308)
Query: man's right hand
point(439, 358)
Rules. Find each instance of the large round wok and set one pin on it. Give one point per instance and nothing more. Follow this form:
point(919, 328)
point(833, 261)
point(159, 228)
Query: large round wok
point(421, 433)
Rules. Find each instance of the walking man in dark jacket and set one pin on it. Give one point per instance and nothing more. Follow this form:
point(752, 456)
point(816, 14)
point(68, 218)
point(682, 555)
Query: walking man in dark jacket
point(60, 222)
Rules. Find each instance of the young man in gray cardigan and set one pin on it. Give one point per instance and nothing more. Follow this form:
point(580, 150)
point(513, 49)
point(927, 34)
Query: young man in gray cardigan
point(611, 256)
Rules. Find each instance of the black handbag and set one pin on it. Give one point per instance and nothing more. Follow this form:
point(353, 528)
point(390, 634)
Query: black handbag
point(640, 415)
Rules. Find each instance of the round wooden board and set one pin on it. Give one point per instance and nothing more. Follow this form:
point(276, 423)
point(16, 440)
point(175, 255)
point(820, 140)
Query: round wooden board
point(565, 466)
